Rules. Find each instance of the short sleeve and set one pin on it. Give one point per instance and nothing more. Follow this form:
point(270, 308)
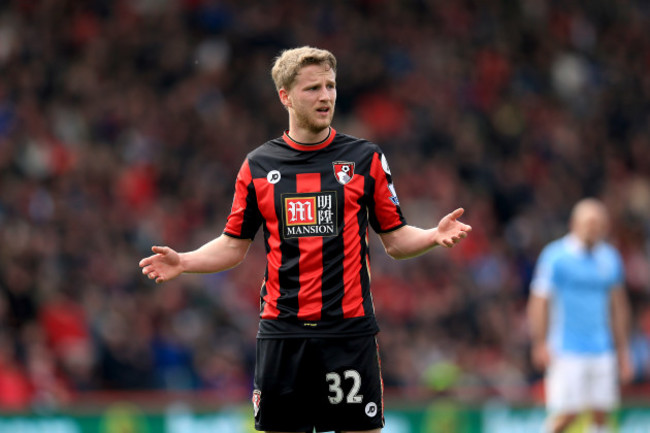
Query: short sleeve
point(543, 275)
point(245, 217)
point(385, 214)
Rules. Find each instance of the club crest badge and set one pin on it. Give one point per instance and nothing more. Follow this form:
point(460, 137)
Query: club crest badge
point(343, 171)
point(257, 396)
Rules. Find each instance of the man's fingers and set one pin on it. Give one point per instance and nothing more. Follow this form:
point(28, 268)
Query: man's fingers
point(457, 213)
point(146, 261)
point(156, 249)
point(155, 276)
point(454, 239)
point(152, 274)
point(160, 250)
point(453, 218)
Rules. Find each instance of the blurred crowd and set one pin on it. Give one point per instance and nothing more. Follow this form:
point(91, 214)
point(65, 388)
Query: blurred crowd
point(123, 124)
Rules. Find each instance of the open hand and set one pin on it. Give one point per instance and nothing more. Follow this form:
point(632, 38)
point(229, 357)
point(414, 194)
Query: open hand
point(450, 230)
point(162, 266)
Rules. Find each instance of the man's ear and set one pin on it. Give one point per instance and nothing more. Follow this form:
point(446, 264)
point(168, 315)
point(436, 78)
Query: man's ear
point(284, 97)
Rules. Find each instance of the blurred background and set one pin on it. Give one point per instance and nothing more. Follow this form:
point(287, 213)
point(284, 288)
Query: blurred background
point(123, 124)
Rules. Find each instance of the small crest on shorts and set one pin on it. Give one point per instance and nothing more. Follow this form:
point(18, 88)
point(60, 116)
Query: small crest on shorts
point(257, 395)
point(343, 171)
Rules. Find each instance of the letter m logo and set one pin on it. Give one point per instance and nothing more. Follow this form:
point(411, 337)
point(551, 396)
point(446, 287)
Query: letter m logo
point(300, 210)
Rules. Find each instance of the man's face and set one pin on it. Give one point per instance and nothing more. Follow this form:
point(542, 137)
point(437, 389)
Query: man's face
point(312, 98)
point(590, 223)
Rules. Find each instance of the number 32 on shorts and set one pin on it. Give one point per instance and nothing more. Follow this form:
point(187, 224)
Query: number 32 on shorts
point(334, 380)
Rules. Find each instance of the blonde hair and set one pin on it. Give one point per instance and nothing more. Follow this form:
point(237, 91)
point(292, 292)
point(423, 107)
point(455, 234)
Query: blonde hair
point(287, 65)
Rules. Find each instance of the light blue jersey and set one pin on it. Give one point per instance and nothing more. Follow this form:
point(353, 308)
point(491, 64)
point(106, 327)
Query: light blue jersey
point(578, 283)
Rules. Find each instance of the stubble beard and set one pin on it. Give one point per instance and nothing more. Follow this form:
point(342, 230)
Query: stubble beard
point(315, 127)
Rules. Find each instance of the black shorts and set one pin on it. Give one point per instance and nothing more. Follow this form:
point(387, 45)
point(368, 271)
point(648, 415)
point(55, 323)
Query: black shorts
point(329, 384)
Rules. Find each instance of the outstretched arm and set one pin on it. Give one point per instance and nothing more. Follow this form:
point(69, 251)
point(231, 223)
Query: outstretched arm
point(409, 241)
point(218, 255)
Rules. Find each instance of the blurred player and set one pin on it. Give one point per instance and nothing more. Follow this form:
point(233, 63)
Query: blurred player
point(314, 191)
point(578, 315)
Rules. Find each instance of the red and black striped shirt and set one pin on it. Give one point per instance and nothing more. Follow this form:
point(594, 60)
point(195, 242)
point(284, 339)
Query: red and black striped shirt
point(315, 202)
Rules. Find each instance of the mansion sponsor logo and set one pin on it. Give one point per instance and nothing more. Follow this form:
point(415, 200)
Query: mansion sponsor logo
point(309, 214)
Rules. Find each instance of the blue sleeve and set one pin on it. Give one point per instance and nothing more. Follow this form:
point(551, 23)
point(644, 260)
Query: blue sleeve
point(543, 281)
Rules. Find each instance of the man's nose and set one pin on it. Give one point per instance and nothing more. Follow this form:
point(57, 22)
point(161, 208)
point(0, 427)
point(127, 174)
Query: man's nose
point(325, 94)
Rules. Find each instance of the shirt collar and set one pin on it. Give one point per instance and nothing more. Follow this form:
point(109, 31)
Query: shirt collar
point(577, 246)
point(311, 146)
